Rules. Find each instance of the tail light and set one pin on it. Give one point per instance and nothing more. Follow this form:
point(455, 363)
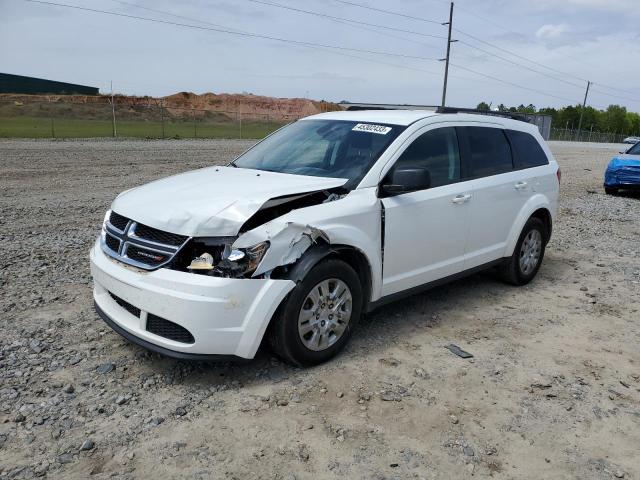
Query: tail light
point(559, 175)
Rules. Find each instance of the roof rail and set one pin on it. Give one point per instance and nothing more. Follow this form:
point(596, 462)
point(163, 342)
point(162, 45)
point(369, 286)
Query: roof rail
point(523, 117)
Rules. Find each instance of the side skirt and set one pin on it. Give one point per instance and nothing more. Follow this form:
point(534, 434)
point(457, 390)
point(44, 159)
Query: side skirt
point(427, 286)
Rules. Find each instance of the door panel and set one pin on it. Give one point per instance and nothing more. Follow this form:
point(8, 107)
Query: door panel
point(426, 231)
point(497, 200)
point(498, 192)
point(425, 236)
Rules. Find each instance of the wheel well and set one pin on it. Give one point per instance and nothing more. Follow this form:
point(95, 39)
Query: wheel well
point(545, 217)
point(358, 261)
point(347, 253)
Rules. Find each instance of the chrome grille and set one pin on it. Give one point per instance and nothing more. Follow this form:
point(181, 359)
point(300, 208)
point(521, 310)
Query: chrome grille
point(139, 245)
point(118, 221)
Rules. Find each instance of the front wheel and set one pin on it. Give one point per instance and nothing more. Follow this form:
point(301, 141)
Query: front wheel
point(610, 190)
point(523, 265)
point(316, 320)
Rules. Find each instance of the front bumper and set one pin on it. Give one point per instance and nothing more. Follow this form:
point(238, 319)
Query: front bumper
point(226, 316)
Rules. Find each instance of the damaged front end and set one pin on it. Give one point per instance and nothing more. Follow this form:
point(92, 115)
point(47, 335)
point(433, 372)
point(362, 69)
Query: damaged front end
point(265, 243)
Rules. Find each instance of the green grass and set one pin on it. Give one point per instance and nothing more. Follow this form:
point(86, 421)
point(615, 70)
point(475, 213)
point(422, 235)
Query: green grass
point(41, 127)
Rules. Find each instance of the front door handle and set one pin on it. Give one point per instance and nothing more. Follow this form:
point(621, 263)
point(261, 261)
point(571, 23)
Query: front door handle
point(462, 198)
point(521, 185)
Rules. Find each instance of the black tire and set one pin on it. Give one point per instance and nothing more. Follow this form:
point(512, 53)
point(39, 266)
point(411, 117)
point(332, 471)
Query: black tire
point(511, 270)
point(610, 190)
point(283, 335)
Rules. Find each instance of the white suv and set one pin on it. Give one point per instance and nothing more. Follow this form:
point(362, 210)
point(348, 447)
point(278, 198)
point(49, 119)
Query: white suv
point(322, 221)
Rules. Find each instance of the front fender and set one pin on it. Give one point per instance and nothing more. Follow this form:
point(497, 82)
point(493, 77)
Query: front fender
point(536, 202)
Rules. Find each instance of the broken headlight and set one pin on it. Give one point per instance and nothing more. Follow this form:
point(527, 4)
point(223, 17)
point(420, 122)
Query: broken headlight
point(237, 263)
point(246, 260)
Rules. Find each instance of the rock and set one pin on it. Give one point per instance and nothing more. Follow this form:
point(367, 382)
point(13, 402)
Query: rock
point(68, 388)
point(65, 458)
point(36, 346)
point(453, 419)
point(181, 411)
point(88, 444)
point(618, 474)
point(41, 469)
point(389, 362)
point(121, 400)
point(468, 451)
point(282, 402)
point(390, 397)
point(19, 418)
point(156, 421)
point(303, 452)
point(421, 373)
point(105, 368)
point(339, 394)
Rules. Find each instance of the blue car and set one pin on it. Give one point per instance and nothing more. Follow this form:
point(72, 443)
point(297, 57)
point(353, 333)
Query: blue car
point(623, 171)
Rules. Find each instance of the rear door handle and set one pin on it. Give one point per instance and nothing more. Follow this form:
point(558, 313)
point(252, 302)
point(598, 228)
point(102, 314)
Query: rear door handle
point(521, 185)
point(462, 198)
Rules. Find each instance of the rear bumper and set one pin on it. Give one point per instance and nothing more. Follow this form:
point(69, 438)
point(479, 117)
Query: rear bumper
point(227, 317)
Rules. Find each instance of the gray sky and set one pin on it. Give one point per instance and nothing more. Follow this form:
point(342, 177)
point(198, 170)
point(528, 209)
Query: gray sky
point(586, 39)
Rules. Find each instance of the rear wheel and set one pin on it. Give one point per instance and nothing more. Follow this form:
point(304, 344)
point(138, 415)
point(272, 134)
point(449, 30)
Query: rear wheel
point(523, 265)
point(610, 190)
point(316, 320)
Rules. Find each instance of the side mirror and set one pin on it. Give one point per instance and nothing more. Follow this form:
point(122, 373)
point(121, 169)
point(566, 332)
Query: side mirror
point(407, 179)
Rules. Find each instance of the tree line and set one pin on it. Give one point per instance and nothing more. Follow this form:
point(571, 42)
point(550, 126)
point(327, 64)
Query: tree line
point(615, 119)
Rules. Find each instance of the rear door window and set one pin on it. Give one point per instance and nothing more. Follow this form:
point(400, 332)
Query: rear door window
point(490, 152)
point(437, 151)
point(527, 152)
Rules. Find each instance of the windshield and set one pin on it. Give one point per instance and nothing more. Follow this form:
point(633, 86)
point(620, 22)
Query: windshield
point(635, 150)
point(322, 148)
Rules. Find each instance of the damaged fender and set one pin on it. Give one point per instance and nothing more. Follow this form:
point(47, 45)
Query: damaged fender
point(353, 221)
point(287, 242)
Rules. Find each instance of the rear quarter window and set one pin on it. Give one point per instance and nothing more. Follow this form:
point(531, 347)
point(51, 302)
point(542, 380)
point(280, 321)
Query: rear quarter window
point(527, 152)
point(489, 150)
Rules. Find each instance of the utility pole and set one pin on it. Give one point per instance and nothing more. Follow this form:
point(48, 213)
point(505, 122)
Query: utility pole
point(446, 60)
point(113, 113)
point(584, 104)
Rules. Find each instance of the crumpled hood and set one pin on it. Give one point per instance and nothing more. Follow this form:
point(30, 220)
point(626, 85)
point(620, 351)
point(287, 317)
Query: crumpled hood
point(213, 201)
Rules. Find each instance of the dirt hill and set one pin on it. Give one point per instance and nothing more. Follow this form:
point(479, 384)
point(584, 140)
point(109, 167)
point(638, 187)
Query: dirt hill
point(179, 105)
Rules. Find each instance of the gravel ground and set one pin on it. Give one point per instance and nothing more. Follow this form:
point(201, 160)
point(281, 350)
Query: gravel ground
point(553, 390)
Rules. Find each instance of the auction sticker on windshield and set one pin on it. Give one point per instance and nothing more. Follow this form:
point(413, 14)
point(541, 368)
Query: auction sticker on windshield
point(368, 127)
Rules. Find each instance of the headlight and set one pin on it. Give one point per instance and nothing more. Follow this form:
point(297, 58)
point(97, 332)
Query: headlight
point(104, 225)
point(249, 257)
point(218, 260)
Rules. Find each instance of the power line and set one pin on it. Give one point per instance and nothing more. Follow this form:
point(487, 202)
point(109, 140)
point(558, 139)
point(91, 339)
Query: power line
point(570, 57)
point(230, 32)
point(518, 56)
point(389, 12)
point(512, 84)
point(493, 45)
point(358, 22)
point(519, 64)
point(545, 74)
point(613, 95)
point(164, 12)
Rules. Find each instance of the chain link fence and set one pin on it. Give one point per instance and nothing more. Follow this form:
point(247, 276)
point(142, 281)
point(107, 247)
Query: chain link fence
point(573, 135)
point(153, 119)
